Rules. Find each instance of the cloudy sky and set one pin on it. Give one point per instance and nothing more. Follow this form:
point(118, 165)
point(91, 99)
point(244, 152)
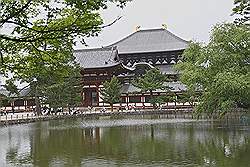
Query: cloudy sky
point(189, 19)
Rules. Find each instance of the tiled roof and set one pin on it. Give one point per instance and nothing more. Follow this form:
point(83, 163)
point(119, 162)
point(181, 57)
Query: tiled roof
point(97, 58)
point(167, 69)
point(175, 87)
point(4, 92)
point(22, 93)
point(129, 88)
point(152, 40)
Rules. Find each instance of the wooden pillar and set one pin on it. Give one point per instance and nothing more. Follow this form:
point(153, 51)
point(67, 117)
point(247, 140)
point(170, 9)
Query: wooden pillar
point(25, 103)
point(12, 104)
point(98, 92)
point(143, 100)
point(127, 99)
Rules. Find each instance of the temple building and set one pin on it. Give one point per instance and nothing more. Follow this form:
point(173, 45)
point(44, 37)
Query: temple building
point(127, 58)
point(19, 102)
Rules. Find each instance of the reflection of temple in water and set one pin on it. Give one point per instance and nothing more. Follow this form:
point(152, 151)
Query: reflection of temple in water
point(92, 135)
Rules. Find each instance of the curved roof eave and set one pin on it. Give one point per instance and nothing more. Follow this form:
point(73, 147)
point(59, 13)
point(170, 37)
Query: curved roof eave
point(106, 66)
point(137, 52)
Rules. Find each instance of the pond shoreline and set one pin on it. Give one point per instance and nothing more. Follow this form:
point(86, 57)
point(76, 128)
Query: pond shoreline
point(183, 114)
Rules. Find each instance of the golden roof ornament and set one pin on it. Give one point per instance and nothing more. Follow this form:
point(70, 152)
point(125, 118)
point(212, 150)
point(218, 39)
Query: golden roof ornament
point(137, 28)
point(164, 26)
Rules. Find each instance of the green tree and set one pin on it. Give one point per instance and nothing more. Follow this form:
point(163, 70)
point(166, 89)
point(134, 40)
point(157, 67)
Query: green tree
point(169, 97)
point(11, 87)
point(37, 37)
point(219, 70)
point(153, 80)
point(182, 98)
point(66, 93)
point(242, 8)
point(111, 92)
point(3, 100)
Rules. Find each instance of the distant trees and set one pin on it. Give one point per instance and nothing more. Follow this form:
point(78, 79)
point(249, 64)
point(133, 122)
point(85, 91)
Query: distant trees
point(219, 70)
point(111, 91)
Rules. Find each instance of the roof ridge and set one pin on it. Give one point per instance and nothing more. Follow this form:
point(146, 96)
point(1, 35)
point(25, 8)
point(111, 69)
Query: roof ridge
point(152, 29)
point(126, 37)
point(96, 49)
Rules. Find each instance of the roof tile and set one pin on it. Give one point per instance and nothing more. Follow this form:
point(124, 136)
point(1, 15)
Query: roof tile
point(96, 58)
point(152, 40)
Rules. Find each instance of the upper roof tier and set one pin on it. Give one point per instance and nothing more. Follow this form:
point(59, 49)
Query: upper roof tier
point(150, 40)
point(97, 58)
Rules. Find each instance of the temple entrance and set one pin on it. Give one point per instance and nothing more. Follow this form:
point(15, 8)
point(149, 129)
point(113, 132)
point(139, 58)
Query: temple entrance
point(90, 98)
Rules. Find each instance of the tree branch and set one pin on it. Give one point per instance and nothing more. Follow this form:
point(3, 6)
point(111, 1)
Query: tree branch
point(110, 24)
point(1, 55)
point(22, 25)
point(26, 39)
point(15, 13)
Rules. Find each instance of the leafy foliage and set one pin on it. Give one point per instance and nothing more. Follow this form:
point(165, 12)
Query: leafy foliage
point(151, 81)
point(11, 87)
point(64, 94)
point(3, 100)
point(242, 8)
point(220, 70)
point(37, 37)
point(158, 100)
point(111, 91)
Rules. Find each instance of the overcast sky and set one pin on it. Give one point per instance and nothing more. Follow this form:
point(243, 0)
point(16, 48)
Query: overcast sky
point(189, 19)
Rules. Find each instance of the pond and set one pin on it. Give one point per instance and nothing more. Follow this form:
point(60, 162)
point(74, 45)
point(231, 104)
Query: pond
point(127, 142)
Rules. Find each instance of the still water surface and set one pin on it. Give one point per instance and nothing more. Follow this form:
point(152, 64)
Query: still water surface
point(126, 143)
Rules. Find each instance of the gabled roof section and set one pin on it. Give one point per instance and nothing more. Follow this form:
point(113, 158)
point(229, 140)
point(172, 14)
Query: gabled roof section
point(151, 40)
point(25, 92)
point(174, 87)
point(4, 92)
point(97, 58)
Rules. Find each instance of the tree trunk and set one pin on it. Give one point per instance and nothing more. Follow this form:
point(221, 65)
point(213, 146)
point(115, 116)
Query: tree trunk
point(37, 102)
point(38, 105)
point(151, 98)
point(175, 105)
point(69, 110)
point(111, 107)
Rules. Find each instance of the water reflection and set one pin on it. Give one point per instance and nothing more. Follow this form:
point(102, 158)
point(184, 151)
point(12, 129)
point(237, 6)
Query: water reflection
point(86, 143)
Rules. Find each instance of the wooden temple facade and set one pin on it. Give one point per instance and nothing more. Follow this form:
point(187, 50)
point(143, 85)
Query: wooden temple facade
point(22, 102)
point(134, 54)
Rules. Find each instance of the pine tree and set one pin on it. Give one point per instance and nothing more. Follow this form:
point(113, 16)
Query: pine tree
point(66, 93)
point(111, 92)
point(153, 80)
